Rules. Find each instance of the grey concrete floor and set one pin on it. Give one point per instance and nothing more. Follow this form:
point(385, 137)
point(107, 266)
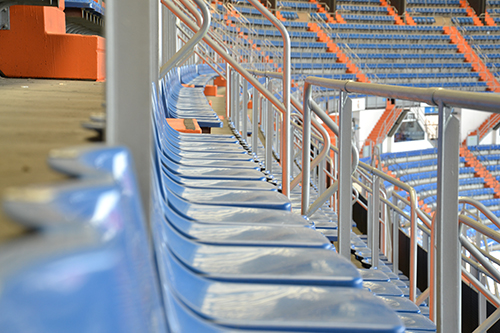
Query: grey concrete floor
point(219, 106)
point(39, 115)
point(35, 117)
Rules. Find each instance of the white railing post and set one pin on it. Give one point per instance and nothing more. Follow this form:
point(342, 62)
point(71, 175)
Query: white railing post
point(345, 180)
point(448, 261)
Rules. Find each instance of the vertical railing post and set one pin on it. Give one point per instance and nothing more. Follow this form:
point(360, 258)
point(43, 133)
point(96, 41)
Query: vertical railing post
point(236, 103)
point(395, 238)
point(228, 91)
point(369, 217)
point(269, 131)
point(306, 149)
point(244, 116)
point(231, 97)
point(255, 121)
point(482, 310)
point(345, 181)
point(448, 260)
point(375, 235)
point(322, 176)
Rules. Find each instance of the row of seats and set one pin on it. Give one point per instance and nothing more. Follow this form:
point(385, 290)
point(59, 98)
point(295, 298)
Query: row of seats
point(363, 8)
point(482, 30)
point(430, 47)
point(484, 147)
point(413, 76)
point(461, 182)
point(434, 2)
point(307, 66)
point(417, 164)
point(394, 37)
point(172, 86)
point(318, 16)
point(373, 2)
point(494, 48)
point(426, 66)
point(339, 76)
point(387, 28)
point(91, 5)
point(313, 55)
point(243, 10)
point(491, 202)
point(432, 174)
point(479, 85)
point(87, 265)
point(493, 167)
point(299, 5)
point(435, 56)
point(264, 22)
point(462, 20)
point(488, 38)
point(436, 10)
point(289, 15)
point(232, 255)
point(467, 193)
point(491, 157)
point(371, 18)
point(277, 34)
point(424, 20)
point(408, 154)
point(369, 61)
point(279, 43)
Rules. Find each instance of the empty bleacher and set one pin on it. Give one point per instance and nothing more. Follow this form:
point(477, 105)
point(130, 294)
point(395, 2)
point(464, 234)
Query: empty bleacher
point(233, 253)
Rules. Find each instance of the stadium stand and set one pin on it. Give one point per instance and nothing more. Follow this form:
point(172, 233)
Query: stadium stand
point(235, 243)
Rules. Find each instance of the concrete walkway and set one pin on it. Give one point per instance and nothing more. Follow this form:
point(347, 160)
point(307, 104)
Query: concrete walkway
point(35, 117)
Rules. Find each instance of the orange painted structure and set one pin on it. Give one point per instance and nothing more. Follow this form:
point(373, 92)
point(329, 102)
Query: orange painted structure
point(180, 125)
point(37, 46)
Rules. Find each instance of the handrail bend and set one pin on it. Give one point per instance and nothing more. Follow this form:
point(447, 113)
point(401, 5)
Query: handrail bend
point(188, 47)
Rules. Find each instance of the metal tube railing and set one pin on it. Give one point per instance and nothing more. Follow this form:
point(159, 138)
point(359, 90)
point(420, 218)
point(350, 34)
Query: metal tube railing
point(189, 46)
point(206, 58)
point(241, 70)
point(297, 105)
point(439, 97)
point(285, 156)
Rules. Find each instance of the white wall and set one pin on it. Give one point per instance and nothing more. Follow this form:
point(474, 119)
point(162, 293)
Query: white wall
point(491, 138)
point(366, 119)
point(470, 121)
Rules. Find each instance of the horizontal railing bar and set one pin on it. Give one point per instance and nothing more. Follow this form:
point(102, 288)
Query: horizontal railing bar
point(431, 96)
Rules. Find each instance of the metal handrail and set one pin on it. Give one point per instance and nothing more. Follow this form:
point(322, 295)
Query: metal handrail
point(242, 71)
point(438, 97)
point(484, 259)
point(297, 105)
point(189, 46)
point(306, 177)
point(424, 217)
point(285, 142)
point(324, 117)
point(204, 57)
